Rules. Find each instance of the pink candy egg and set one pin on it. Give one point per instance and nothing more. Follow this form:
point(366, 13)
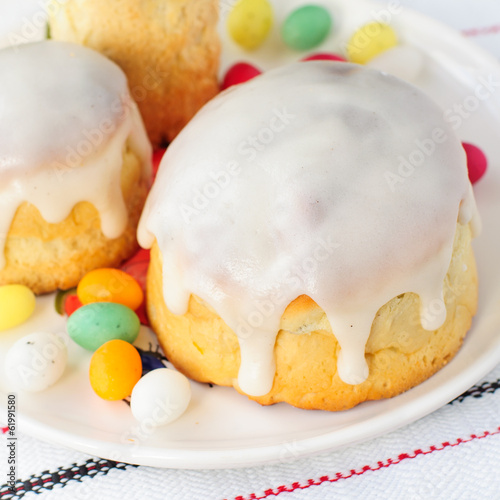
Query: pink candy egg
point(477, 162)
point(239, 73)
point(324, 57)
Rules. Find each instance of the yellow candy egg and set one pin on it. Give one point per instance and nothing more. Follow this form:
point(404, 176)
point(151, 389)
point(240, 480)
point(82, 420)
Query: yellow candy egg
point(110, 285)
point(369, 41)
point(17, 303)
point(249, 22)
point(115, 368)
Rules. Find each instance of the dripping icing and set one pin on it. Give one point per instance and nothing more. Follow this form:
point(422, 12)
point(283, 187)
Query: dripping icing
point(317, 185)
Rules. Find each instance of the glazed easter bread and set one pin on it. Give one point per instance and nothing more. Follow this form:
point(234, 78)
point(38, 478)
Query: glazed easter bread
point(318, 255)
point(75, 165)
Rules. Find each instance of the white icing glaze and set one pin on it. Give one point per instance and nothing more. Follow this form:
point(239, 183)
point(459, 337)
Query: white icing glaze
point(299, 182)
point(65, 118)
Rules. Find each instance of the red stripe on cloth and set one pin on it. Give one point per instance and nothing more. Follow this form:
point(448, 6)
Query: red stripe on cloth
point(353, 472)
point(485, 30)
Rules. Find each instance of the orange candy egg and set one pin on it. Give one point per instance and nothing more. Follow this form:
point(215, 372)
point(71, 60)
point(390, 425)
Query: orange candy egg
point(110, 285)
point(115, 368)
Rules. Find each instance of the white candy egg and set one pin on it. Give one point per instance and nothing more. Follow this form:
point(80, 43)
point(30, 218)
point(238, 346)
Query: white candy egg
point(36, 362)
point(160, 397)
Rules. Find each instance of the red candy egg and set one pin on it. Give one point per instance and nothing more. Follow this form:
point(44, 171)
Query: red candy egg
point(477, 162)
point(239, 73)
point(324, 57)
point(71, 304)
point(157, 157)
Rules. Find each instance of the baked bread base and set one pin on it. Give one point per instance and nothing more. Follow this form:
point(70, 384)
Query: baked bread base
point(400, 353)
point(46, 256)
point(168, 50)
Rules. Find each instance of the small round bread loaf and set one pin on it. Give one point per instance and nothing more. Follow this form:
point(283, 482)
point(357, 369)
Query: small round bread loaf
point(75, 165)
point(315, 247)
point(168, 50)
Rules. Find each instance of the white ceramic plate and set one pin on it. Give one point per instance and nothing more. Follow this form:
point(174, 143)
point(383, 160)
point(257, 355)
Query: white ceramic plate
point(222, 429)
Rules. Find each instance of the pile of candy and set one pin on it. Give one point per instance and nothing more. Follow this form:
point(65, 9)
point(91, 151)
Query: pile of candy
point(102, 319)
point(249, 24)
point(250, 21)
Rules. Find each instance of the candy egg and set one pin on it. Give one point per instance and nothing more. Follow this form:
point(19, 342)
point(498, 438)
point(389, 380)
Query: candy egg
point(477, 163)
point(149, 361)
point(110, 285)
point(160, 397)
point(17, 304)
point(239, 73)
point(36, 361)
point(138, 265)
point(306, 27)
point(370, 41)
point(249, 22)
point(60, 300)
point(72, 304)
point(93, 325)
point(115, 368)
point(324, 56)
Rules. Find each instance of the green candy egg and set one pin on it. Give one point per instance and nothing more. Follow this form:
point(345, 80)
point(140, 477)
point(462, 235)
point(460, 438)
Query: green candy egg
point(93, 325)
point(306, 27)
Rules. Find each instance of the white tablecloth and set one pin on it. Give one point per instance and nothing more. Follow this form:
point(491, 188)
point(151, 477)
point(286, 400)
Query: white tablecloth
point(450, 454)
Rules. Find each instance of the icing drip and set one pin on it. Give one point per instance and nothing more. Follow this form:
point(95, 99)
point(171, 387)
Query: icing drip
point(327, 180)
point(66, 120)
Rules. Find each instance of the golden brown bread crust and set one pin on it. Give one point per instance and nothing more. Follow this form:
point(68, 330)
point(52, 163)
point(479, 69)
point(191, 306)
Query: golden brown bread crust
point(47, 256)
point(399, 352)
point(169, 51)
